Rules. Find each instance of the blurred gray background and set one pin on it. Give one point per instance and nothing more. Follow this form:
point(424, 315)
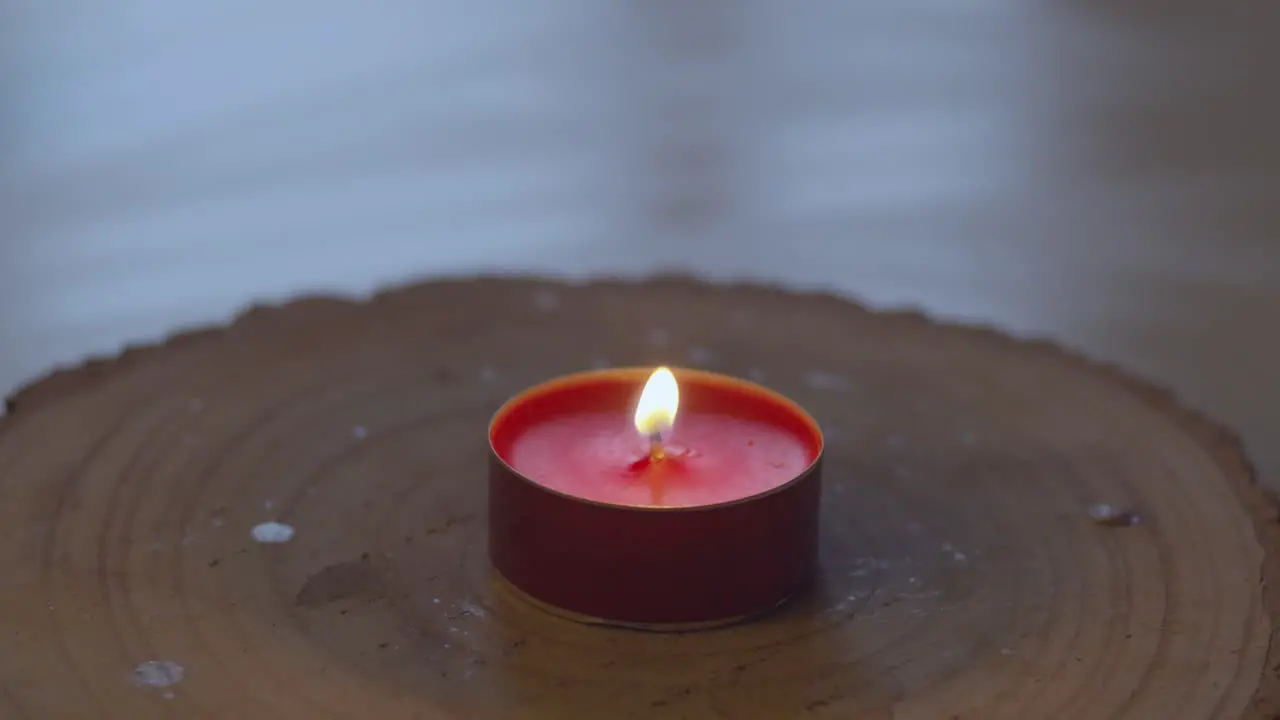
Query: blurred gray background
point(1103, 176)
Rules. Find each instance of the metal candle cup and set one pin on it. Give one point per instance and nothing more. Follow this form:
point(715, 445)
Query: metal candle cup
point(733, 532)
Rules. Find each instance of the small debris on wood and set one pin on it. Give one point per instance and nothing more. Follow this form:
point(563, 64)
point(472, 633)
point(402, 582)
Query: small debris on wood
point(1112, 516)
point(158, 673)
point(272, 533)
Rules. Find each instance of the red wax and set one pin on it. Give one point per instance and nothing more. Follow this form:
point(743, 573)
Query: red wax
point(732, 440)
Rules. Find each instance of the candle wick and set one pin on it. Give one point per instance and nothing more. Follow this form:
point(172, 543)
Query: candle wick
point(656, 451)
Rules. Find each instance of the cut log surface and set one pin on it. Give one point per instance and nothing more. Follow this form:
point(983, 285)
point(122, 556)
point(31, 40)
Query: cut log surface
point(969, 566)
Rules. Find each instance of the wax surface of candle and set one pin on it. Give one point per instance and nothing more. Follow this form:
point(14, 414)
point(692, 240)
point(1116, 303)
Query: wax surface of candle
point(713, 459)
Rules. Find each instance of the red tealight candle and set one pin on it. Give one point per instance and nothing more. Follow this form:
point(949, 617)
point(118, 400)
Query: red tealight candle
point(689, 500)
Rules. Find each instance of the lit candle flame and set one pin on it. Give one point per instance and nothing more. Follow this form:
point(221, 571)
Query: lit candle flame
point(656, 411)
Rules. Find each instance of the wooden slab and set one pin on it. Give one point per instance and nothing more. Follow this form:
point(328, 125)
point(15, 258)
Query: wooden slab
point(964, 575)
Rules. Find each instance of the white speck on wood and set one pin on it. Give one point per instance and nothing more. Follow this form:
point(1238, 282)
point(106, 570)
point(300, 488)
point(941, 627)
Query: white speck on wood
point(819, 380)
point(168, 695)
point(1105, 514)
point(848, 600)
point(466, 607)
point(359, 432)
point(955, 554)
point(489, 374)
point(546, 300)
point(864, 566)
point(158, 673)
point(219, 522)
point(1103, 511)
point(659, 337)
point(1006, 651)
point(272, 532)
point(268, 504)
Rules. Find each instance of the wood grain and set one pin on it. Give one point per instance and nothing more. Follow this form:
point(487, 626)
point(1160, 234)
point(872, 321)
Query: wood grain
point(963, 575)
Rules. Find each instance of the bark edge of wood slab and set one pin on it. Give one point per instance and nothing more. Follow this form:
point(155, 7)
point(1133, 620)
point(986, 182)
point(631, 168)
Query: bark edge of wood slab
point(962, 573)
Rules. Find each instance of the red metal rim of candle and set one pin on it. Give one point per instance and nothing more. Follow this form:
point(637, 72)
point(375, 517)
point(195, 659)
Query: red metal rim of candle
point(656, 568)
